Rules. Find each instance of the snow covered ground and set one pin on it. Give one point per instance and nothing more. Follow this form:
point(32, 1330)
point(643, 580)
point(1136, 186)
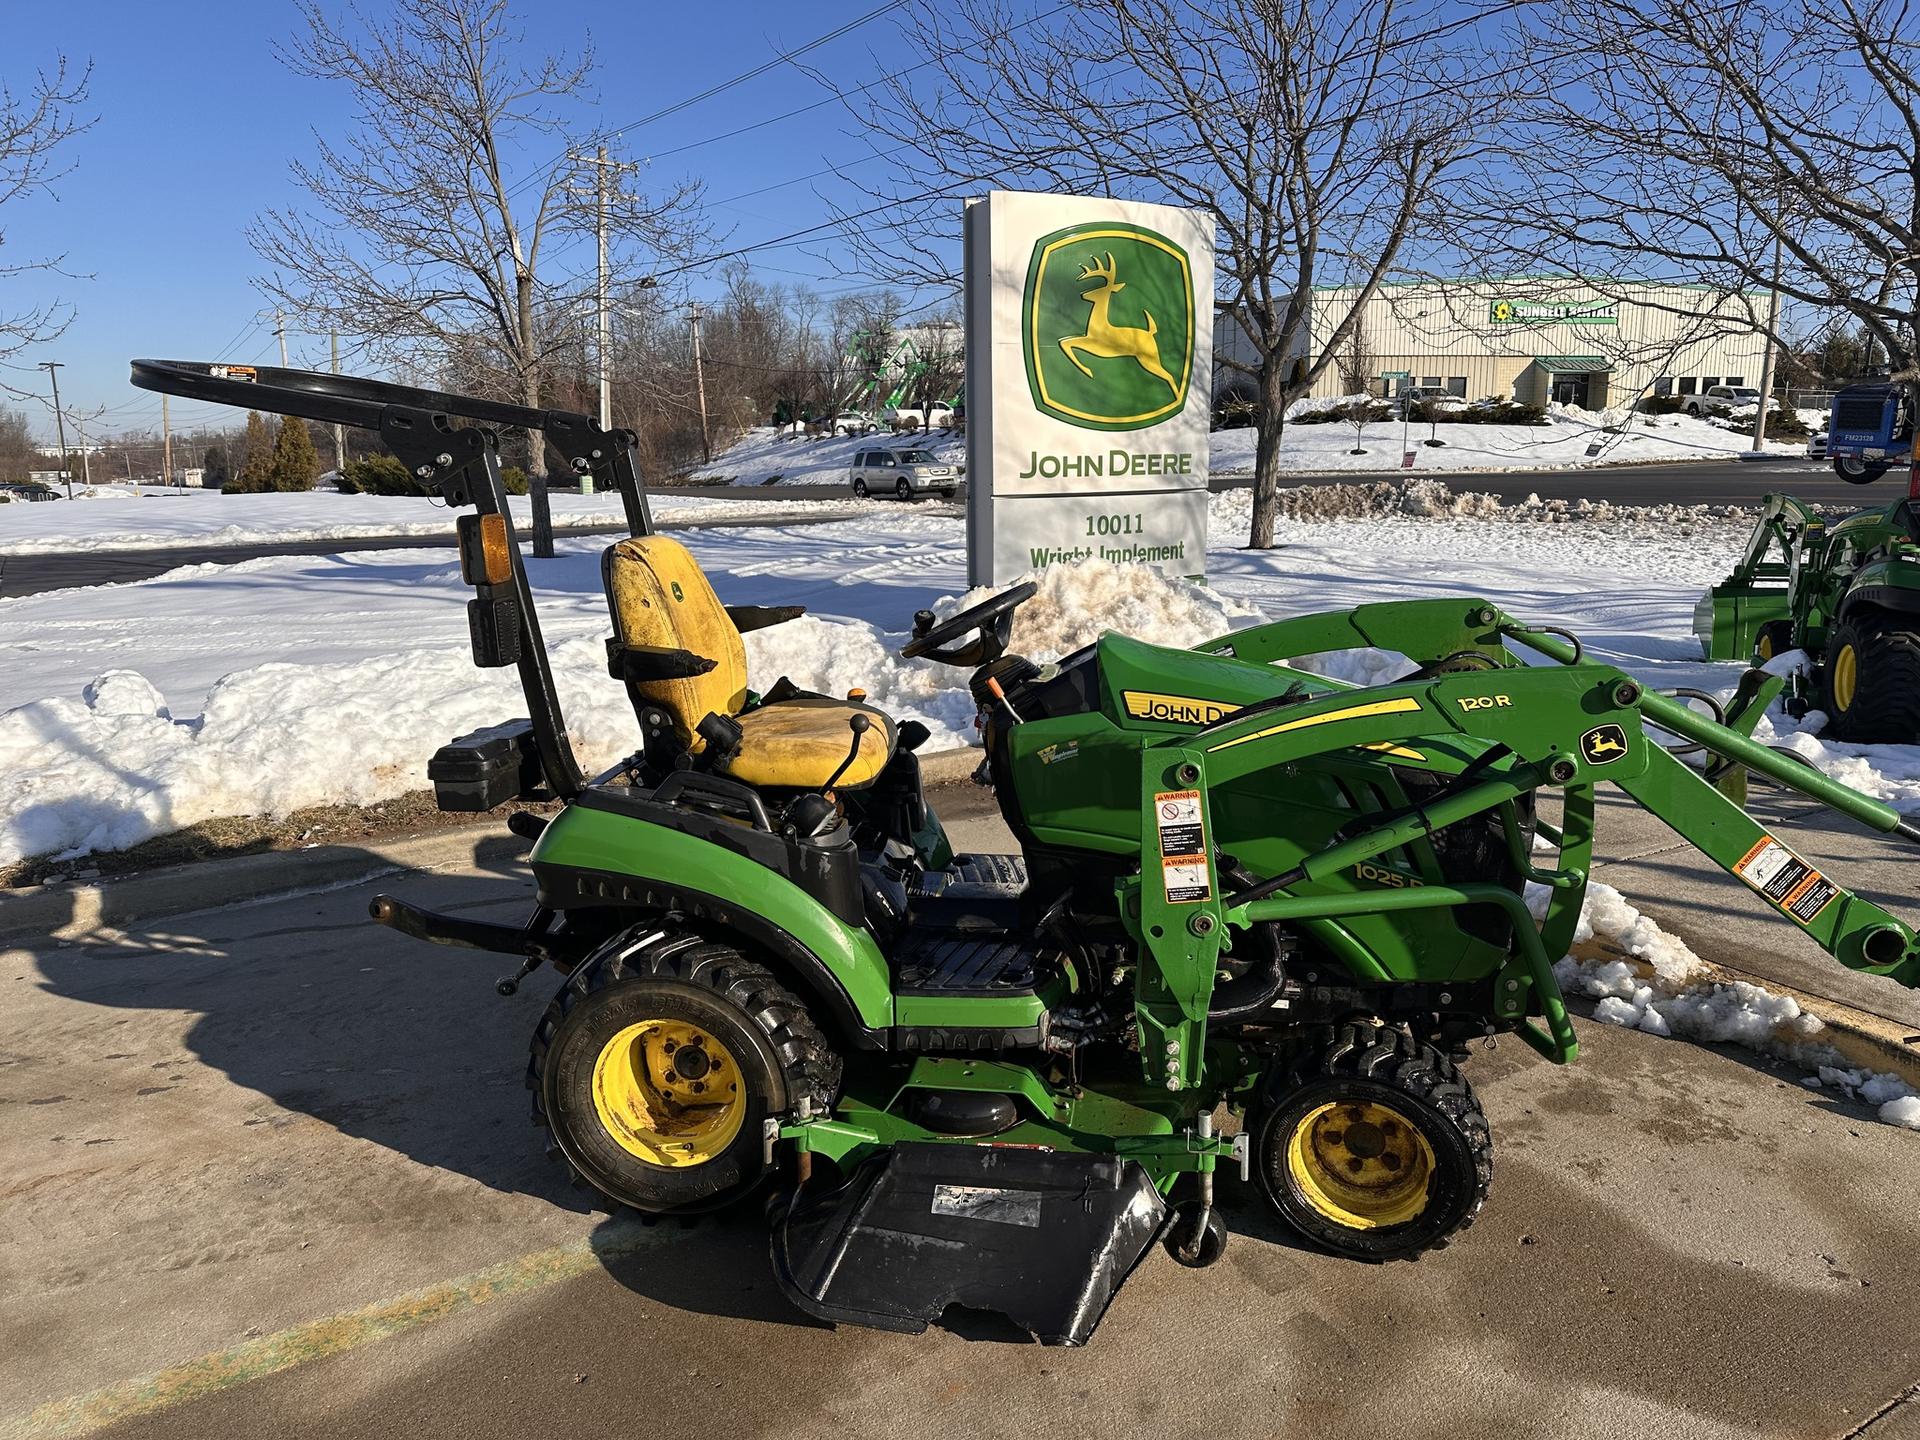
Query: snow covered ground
point(125, 518)
point(764, 456)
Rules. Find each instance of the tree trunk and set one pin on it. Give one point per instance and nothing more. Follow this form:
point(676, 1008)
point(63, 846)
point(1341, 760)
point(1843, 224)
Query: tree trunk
point(1271, 423)
point(536, 442)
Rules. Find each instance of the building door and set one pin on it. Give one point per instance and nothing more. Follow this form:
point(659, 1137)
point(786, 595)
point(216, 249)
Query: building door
point(1570, 390)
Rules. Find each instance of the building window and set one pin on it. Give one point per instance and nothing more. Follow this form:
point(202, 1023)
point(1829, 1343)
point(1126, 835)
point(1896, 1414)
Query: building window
point(1663, 386)
point(1687, 382)
point(1430, 382)
point(1707, 382)
point(1736, 379)
point(1457, 385)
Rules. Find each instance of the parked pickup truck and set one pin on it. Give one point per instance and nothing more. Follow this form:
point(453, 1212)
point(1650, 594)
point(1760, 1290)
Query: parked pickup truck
point(1721, 400)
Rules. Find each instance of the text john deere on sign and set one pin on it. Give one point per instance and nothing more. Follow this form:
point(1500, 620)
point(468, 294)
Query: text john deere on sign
point(1088, 329)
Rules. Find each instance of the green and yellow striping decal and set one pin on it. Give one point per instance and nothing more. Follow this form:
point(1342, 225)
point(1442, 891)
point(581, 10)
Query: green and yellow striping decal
point(1400, 706)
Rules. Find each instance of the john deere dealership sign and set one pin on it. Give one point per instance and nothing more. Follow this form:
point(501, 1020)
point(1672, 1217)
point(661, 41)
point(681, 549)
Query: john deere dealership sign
point(1089, 325)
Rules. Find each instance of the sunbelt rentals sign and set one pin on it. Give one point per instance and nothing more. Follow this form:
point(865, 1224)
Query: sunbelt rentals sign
point(1089, 347)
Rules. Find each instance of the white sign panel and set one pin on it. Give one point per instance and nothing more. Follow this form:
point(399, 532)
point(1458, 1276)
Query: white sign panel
point(1089, 357)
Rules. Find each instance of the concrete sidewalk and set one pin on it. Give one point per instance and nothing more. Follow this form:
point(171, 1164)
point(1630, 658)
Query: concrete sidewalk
point(268, 1171)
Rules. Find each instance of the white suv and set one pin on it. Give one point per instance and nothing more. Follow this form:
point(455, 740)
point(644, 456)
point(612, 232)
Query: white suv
point(903, 473)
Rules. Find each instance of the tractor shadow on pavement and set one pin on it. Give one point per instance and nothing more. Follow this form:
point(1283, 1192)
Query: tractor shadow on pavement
point(310, 1004)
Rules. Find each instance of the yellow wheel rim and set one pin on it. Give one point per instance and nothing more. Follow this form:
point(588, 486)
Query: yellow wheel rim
point(1362, 1165)
point(1846, 677)
point(668, 1093)
point(1765, 648)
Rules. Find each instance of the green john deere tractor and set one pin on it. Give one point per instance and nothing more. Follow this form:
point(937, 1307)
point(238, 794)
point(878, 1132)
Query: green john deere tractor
point(1848, 594)
point(1241, 889)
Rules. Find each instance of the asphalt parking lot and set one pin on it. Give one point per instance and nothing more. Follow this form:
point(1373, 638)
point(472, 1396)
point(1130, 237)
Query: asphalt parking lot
point(268, 1171)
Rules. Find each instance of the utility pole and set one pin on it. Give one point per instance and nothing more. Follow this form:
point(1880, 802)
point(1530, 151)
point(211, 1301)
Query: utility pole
point(1766, 355)
point(52, 368)
point(339, 431)
point(606, 173)
point(700, 384)
point(166, 442)
point(280, 331)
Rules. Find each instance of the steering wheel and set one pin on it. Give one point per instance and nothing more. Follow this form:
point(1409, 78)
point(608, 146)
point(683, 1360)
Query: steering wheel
point(990, 623)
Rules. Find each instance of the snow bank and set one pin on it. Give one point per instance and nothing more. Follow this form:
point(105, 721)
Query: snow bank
point(133, 519)
point(115, 766)
point(1684, 999)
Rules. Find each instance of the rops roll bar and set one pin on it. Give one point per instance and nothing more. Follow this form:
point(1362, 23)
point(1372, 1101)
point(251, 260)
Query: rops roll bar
point(462, 464)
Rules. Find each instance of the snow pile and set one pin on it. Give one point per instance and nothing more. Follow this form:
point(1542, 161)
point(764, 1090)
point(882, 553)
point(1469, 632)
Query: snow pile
point(1079, 603)
point(1684, 999)
point(1889, 773)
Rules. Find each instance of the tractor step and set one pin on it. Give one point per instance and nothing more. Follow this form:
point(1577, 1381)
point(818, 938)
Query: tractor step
point(964, 964)
point(1042, 1237)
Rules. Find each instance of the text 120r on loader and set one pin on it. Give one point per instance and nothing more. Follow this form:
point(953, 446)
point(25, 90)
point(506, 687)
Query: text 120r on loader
point(982, 1079)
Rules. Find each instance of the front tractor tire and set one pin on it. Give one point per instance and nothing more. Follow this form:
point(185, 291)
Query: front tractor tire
point(656, 1065)
point(1872, 680)
point(1774, 640)
point(1375, 1147)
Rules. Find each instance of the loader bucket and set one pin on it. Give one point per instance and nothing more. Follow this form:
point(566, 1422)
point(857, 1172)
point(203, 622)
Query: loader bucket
point(1728, 618)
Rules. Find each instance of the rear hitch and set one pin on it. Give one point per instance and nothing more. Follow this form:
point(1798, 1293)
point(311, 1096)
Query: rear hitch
point(529, 941)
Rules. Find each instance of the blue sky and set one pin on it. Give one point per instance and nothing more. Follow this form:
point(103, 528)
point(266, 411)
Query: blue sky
point(197, 123)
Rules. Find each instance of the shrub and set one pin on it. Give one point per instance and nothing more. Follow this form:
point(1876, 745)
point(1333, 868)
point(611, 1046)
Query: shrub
point(1662, 405)
point(379, 475)
point(1497, 412)
point(1342, 414)
point(1781, 425)
point(385, 475)
point(1234, 412)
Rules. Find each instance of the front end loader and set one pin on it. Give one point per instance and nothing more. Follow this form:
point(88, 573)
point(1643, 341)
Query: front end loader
point(1255, 922)
point(1846, 593)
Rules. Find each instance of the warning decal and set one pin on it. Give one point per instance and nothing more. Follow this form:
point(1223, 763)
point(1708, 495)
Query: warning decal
point(1186, 878)
point(1177, 812)
point(1787, 880)
point(1183, 846)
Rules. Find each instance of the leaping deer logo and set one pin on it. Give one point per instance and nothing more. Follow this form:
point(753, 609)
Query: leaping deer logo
point(1109, 341)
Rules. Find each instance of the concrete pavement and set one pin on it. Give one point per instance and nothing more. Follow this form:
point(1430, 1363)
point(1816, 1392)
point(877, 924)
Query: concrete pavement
point(268, 1171)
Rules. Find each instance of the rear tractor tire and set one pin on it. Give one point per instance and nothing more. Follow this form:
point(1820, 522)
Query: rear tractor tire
point(1872, 684)
point(656, 1065)
point(1375, 1147)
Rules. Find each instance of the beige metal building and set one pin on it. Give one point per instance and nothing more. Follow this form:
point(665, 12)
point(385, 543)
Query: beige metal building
point(1591, 343)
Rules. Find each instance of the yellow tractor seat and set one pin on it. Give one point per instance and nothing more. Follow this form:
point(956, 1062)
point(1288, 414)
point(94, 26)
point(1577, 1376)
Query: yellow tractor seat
point(680, 651)
point(798, 744)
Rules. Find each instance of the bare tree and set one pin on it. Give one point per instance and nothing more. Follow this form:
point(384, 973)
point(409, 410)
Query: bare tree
point(423, 233)
point(1322, 134)
point(34, 125)
point(1752, 145)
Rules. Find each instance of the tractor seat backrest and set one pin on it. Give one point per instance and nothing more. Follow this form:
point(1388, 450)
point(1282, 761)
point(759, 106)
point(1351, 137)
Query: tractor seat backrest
point(659, 598)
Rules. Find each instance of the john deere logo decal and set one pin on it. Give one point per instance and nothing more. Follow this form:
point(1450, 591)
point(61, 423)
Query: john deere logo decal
point(1603, 744)
point(1108, 326)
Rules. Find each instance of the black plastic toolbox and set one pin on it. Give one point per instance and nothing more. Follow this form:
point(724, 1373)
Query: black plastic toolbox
point(487, 768)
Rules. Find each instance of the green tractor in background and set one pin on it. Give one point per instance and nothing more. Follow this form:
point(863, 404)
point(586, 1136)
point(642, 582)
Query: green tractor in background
point(1848, 594)
point(1255, 920)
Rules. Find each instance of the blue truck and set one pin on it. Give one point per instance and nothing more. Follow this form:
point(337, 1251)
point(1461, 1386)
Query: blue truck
point(1870, 430)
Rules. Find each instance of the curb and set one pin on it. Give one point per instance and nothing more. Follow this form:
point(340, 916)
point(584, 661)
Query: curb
point(1865, 1039)
point(67, 912)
